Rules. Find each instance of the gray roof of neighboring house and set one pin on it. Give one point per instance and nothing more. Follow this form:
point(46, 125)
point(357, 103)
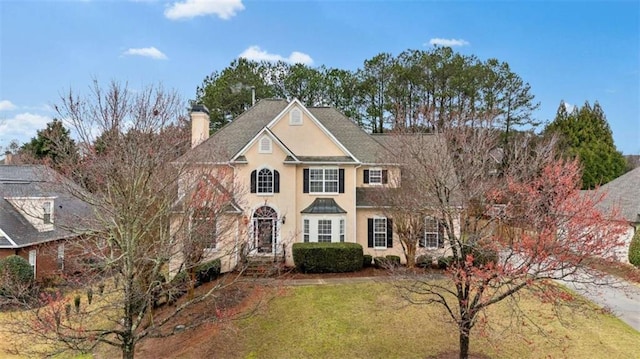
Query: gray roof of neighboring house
point(231, 138)
point(37, 181)
point(623, 192)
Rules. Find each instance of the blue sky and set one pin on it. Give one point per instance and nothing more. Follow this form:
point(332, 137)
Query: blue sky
point(572, 51)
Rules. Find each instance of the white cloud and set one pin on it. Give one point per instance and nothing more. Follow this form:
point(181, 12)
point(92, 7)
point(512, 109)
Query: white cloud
point(448, 42)
point(224, 9)
point(6, 105)
point(255, 53)
point(151, 52)
point(22, 126)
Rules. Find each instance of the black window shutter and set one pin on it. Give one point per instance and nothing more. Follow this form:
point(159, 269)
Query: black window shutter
point(365, 179)
point(370, 232)
point(389, 233)
point(384, 177)
point(276, 181)
point(305, 180)
point(254, 176)
point(341, 180)
point(441, 230)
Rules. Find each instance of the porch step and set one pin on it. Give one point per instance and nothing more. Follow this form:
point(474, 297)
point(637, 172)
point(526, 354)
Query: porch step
point(259, 267)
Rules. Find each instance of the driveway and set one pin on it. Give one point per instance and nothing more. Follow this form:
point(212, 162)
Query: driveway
point(622, 298)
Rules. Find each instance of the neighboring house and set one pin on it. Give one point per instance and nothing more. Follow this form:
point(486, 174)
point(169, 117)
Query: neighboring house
point(624, 193)
point(36, 211)
point(306, 173)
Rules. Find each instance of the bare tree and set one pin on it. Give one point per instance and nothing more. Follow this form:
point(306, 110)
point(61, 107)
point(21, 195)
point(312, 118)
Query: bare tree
point(139, 234)
point(506, 229)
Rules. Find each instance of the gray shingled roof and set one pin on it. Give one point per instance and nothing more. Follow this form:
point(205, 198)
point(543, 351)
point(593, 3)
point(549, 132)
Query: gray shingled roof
point(623, 192)
point(323, 206)
point(235, 135)
point(37, 181)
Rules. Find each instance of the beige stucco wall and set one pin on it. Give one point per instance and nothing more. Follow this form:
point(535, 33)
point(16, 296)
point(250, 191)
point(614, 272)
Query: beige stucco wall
point(31, 208)
point(307, 139)
point(621, 253)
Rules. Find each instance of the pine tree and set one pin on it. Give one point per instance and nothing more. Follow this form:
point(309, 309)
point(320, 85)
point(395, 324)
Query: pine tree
point(585, 133)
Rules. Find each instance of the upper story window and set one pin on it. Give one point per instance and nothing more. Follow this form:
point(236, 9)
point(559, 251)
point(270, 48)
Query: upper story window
point(295, 117)
point(375, 176)
point(47, 208)
point(323, 180)
point(266, 145)
point(265, 181)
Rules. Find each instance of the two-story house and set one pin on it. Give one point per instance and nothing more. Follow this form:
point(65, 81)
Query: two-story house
point(304, 174)
point(38, 215)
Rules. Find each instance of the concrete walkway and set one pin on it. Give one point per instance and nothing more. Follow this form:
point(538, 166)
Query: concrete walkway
point(622, 298)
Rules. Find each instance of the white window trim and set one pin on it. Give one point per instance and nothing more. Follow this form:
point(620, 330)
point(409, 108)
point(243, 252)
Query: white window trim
point(380, 177)
point(335, 227)
point(386, 240)
point(428, 245)
point(33, 260)
point(291, 117)
point(324, 181)
point(270, 142)
point(273, 179)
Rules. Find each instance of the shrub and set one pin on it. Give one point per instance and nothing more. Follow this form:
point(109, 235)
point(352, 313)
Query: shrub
point(444, 262)
point(327, 257)
point(424, 261)
point(481, 256)
point(17, 270)
point(367, 260)
point(393, 260)
point(634, 249)
point(208, 271)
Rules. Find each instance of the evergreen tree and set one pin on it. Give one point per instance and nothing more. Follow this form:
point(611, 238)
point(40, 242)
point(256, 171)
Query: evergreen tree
point(52, 145)
point(585, 133)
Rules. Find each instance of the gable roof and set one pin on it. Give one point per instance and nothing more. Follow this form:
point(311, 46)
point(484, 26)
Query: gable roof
point(233, 137)
point(623, 192)
point(36, 181)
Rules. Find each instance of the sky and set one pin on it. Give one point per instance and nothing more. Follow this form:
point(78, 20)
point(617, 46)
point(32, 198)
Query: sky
point(574, 51)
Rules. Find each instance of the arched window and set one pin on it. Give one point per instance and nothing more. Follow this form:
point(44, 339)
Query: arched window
point(265, 181)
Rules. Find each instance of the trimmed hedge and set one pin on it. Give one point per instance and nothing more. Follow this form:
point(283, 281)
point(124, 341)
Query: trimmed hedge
point(424, 261)
point(367, 260)
point(208, 271)
point(634, 249)
point(481, 256)
point(328, 257)
point(445, 262)
point(393, 260)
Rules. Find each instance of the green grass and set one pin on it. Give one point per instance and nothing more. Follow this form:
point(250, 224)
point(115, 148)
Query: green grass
point(369, 321)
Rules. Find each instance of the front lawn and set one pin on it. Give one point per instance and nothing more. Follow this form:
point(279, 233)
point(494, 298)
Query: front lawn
point(368, 321)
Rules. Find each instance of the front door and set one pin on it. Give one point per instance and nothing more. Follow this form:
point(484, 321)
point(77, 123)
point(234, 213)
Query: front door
point(264, 229)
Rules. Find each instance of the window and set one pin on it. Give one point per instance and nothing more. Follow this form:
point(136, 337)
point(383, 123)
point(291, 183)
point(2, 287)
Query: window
point(375, 176)
point(46, 208)
point(323, 180)
point(265, 181)
point(204, 231)
point(61, 256)
point(433, 234)
point(380, 232)
point(32, 260)
point(324, 230)
point(295, 117)
point(265, 145)
point(305, 230)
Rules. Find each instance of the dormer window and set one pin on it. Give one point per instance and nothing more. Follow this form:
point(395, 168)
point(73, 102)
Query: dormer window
point(265, 145)
point(295, 117)
point(47, 208)
point(375, 176)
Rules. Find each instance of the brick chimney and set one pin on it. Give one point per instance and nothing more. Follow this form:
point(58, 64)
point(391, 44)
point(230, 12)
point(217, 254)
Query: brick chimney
point(199, 124)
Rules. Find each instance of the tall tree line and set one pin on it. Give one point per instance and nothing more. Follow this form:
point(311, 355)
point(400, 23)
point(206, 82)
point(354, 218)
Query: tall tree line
point(417, 89)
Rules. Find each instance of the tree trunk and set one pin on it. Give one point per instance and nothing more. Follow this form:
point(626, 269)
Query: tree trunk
point(128, 348)
point(464, 345)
